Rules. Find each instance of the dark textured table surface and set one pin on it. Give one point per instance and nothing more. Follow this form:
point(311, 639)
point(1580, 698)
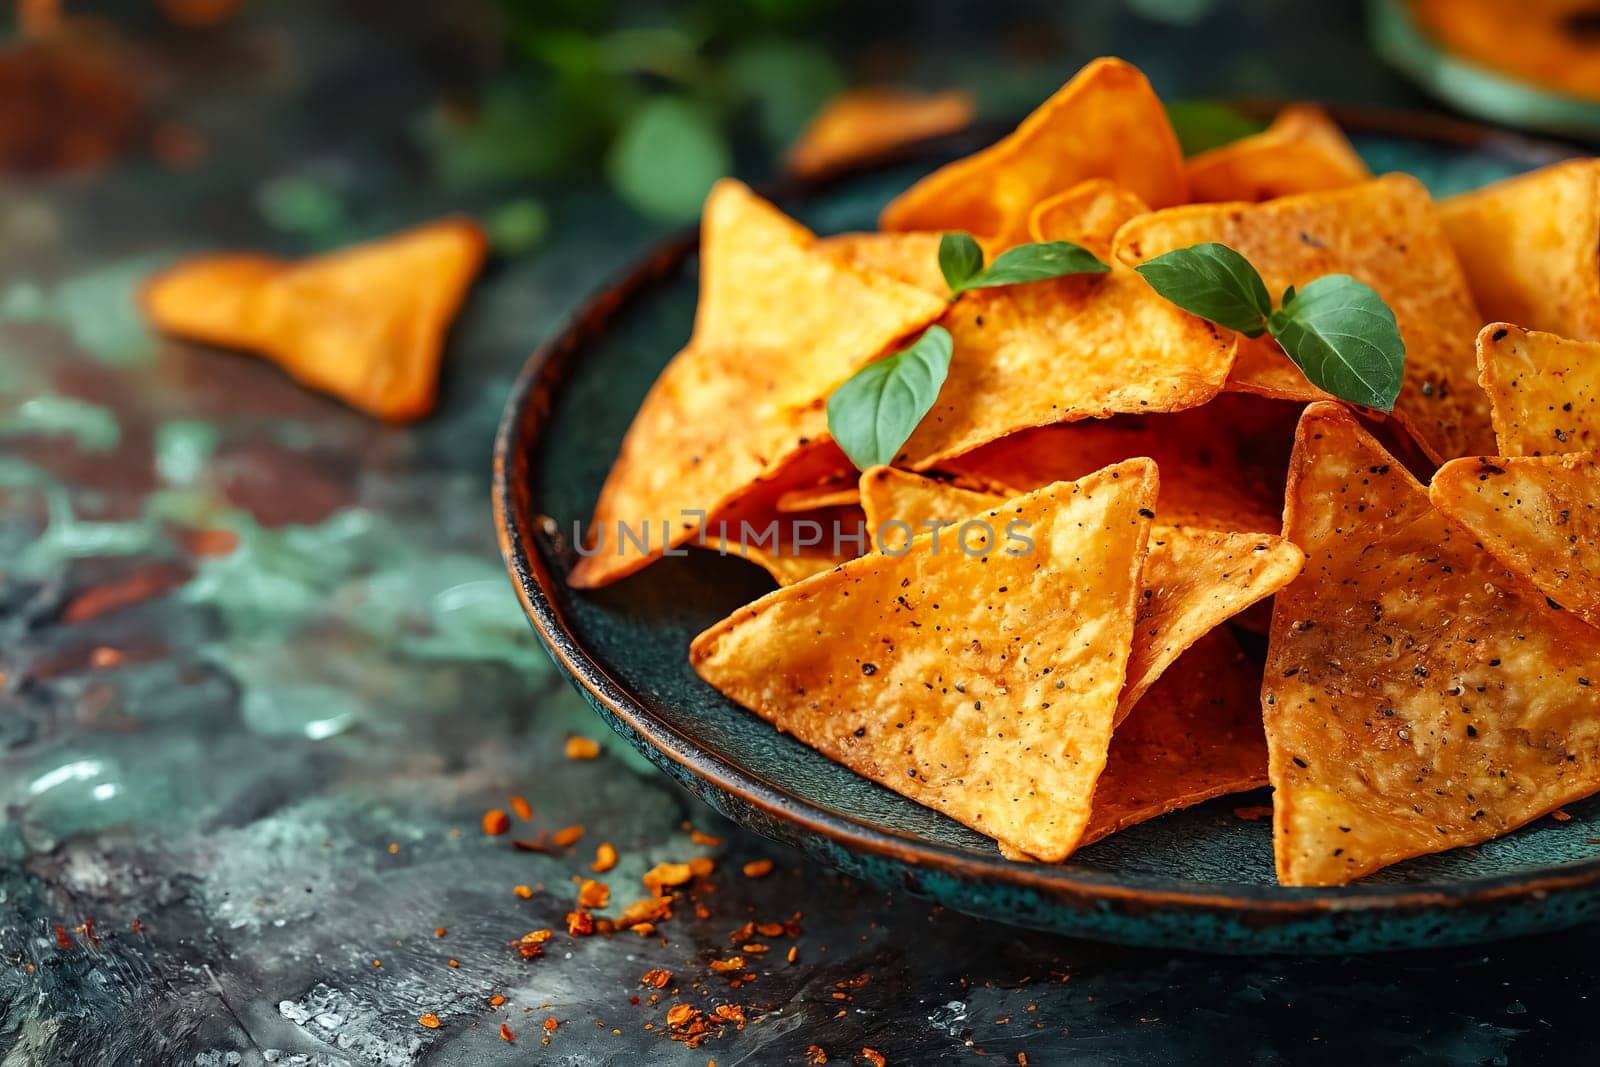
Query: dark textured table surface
point(261, 672)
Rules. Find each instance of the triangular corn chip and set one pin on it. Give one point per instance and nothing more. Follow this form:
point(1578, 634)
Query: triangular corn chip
point(1193, 581)
point(912, 258)
point(860, 124)
point(1544, 390)
point(365, 324)
point(1104, 123)
point(1538, 515)
point(1071, 348)
point(829, 494)
point(1222, 465)
point(779, 325)
point(981, 686)
point(1416, 697)
point(1303, 151)
point(1090, 214)
point(1530, 246)
point(1194, 736)
point(1405, 257)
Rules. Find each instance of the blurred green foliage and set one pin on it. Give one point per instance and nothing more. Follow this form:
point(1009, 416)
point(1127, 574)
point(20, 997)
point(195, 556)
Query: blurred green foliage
point(657, 105)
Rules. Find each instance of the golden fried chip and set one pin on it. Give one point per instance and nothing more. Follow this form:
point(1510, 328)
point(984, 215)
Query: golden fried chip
point(1104, 123)
point(1416, 697)
point(779, 325)
point(862, 123)
point(792, 547)
point(1194, 736)
point(1089, 214)
point(1544, 390)
point(1193, 581)
point(814, 497)
point(912, 258)
point(365, 324)
point(1303, 151)
point(1530, 246)
point(1222, 465)
point(946, 677)
point(1538, 515)
point(1072, 348)
point(1384, 232)
point(1550, 43)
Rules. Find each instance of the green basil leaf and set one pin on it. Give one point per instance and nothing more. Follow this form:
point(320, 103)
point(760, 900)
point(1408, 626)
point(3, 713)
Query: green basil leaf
point(1206, 124)
point(1342, 335)
point(1214, 282)
point(960, 258)
point(1034, 263)
point(873, 413)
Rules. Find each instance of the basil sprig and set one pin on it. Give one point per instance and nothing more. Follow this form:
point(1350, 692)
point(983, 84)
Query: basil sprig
point(1337, 330)
point(961, 263)
point(873, 413)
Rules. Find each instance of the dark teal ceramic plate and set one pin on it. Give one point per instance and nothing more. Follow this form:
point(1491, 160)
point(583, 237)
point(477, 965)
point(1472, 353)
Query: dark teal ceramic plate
point(1201, 878)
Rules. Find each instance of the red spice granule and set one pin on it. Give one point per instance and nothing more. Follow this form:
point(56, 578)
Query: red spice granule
point(521, 807)
point(525, 892)
point(873, 1057)
point(496, 822)
point(758, 868)
point(429, 1019)
point(566, 837)
point(506, 1033)
point(550, 1024)
point(815, 1056)
point(582, 748)
point(657, 977)
point(62, 940)
point(593, 894)
point(580, 923)
point(605, 858)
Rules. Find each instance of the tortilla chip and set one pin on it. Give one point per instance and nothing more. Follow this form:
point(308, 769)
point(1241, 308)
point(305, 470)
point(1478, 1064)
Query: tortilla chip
point(1530, 246)
point(860, 124)
point(1538, 515)
point(1089, 214)
point(940, 676)
point(1416, 698)
point(1222, 465)
point(1194, 736)
point(746, 394)
point(1303, 151)
point(1549, 43)
point(1193, 581)
point(1544, 391)
point(1062, 350)
point(814, 497)
point(365, 324)
point(911, 258)
point(1104, 123)
point(793, 547)
point(1384, 232)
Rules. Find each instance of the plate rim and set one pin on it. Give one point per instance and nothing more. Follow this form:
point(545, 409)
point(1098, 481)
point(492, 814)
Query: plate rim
point(520, 434)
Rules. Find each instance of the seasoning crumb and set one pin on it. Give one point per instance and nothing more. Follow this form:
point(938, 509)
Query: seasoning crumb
point(582, 748)
point(873, 1057)
point(663, 875)
point(523, 809)
point(454, 963)
point(816, 1056)
point(605, 858)
point(704, 840)
point(758, 868)
point(593, 894)
point(794, 953)
point(496, 1000)
point(566, 836)
point(1560, 816)
point(523, 891)
point(496, 822)
point(580, 923)
point(550, 1024)
point(438, 931)
point(394, 848)
point(428, 1019)
point(656, 977)
point(506, 1033)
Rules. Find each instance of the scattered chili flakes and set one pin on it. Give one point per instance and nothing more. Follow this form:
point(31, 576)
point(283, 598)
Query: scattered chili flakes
point(438, 931)
point(496, 1000)
point(580, 923)
point(648, 910)
point(496, 822)
point(758, 868)
point(1022, 1059)
point(1560, 816)
point(582, 748)
point(454, 963)
point(1253, 814)
point(136, 926)
point(428, 1019)
point(731, 1013)
point(732, 963)
point(566, 837)
point(873, 1057)
point(523, 891)
point(702, 866)
point(794, 953)
point(704, 840)
point(656, 977)
point(104, 657)
point(663, 875)
point(522, 808)
point(550, 1024)
point(506, 1033)
point(816, 1056)
point(593, 894)
point(605, 858)
point(377, 963)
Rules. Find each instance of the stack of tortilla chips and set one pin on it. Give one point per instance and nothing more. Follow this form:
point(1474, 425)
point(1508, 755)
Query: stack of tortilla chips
point(1127, 487)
